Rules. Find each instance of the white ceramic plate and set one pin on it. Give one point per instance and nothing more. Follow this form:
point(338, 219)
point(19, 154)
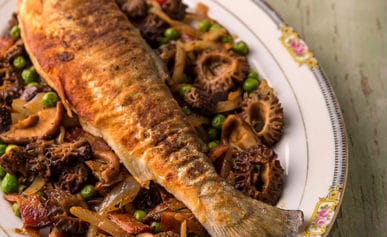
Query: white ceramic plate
point(313, 149)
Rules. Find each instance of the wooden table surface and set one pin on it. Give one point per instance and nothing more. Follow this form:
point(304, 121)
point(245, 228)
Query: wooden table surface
point(349, 39)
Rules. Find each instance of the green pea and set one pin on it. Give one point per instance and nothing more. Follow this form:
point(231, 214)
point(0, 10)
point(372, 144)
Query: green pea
point(34, 83)
point(186, 110)
point(10, 147)
point(29, 75)
point(15, 209)
point(156, 226)
point(2, 172)
point(204, 25)
point(240, 48)
point(184, 89)
point(88, 192)
point(171, 34)
point(213, 144)
point(49, 99)
point(19, 62)
point(212, 134)
point(218, 121)
point(185, 79)
point(139, 215)
point(10, 184)
point(253, 74)
point(2, 148)
point(164, 41)
point(15, 32)
point(250, 84)
point(226, 39)
point(215, 27)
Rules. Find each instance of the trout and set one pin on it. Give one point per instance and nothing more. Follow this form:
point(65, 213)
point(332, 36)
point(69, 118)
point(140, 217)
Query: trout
point(103, 70)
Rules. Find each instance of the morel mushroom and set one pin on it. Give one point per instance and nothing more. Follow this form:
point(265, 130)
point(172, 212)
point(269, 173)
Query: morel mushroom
point(259, 174)
point(41, 125)
point(5, 118)
point(134, 9)
point(199, 101)
point(238, 134)
point(152, 29)
point(264, 113)
point(58, 204)
point(174, 9)
point(11, 88)
point(220, 70)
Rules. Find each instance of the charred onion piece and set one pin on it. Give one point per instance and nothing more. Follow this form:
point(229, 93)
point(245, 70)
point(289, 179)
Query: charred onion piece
point(199, 101)
point(259, 174)
point(264, 113)
point(175, 9)
point(238, 134)
point(220, 70)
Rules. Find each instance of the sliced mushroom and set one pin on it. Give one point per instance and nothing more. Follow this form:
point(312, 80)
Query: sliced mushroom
point(259, 174)
point(264, 113)
point(106, 165)
point(238, 134)
point(220, 70)
point(28, 130)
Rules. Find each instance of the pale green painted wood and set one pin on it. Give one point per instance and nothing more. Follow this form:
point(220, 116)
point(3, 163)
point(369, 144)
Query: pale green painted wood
point(349, 38)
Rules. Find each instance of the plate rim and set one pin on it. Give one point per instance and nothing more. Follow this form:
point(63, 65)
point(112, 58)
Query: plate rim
point(341, 164)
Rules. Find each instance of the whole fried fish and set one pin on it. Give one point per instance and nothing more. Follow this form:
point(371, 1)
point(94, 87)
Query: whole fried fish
point(103, 70)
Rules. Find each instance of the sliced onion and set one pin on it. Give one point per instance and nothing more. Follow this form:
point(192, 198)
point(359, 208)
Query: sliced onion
point(228, 105)
point(35, 186)
point(121, 195)
point(199, 45)
point(182, 28)
point(178, 69)
point(183, 229)
point(98, 220)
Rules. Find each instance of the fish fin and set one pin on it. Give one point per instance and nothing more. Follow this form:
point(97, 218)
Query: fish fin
point(261, 220)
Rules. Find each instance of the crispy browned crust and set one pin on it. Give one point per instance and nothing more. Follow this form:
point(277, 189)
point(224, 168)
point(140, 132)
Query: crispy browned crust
point(111, 79)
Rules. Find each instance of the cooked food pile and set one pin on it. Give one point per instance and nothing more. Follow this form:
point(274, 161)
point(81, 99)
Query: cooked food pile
point(61, 179)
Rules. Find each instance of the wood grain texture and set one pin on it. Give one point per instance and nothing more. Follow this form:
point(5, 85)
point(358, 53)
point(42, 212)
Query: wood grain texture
point(349, 39)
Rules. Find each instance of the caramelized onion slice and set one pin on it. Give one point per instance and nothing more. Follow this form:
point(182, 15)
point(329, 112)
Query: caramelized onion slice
point(122, 194)
point(98, 220)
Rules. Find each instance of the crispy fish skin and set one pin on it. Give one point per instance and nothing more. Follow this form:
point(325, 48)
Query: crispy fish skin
point(104, 71)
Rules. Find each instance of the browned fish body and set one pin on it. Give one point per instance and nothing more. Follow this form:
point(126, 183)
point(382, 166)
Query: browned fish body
point(101, 67)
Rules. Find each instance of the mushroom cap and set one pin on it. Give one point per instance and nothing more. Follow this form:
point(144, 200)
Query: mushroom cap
point(238, 134)
point(200, 101)
point(220, 70)
point(174, 9)
point(266, 183)
point(40, 125)
point(264, 113)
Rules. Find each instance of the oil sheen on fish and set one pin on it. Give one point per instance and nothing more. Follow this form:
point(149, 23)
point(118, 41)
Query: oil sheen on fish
point(104, 71)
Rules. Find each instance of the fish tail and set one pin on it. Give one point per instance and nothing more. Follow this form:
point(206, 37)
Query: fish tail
point(258, 220)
